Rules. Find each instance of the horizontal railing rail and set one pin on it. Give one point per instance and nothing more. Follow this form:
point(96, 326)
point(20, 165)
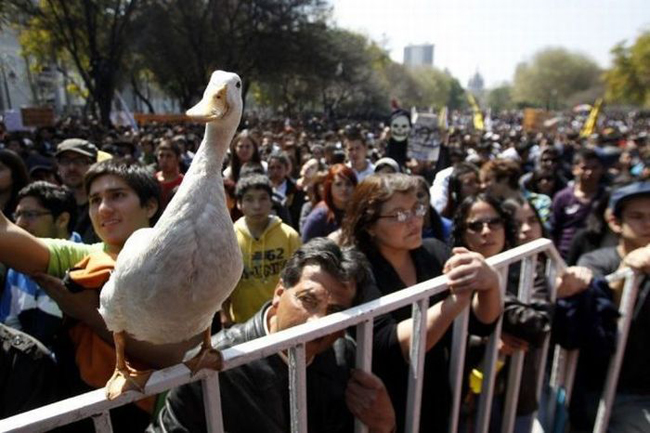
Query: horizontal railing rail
point(95, 405)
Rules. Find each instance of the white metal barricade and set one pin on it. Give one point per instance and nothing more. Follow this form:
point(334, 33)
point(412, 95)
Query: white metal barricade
point(95, 405)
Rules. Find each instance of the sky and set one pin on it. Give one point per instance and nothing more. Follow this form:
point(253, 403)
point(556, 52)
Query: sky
point(493, 36)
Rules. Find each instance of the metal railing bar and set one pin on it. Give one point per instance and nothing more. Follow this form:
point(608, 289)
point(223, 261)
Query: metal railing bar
point(274, 343)
point(551, 272)
point(630, 291)
point(490, 366)
point(456, 368)
point(526, 281)
point(86, 405)
point(212, 403)
point(298, 389)
point(363, 359)
point(571, 365)
point(512, 394)
point(416, 365)
point(102, 423)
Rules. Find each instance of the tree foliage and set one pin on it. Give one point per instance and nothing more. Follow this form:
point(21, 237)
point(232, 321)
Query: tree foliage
point(94, 35)
point(183, 41)
point(286, 51)
point(500, 98)
point(553, 76)
point(628, 81)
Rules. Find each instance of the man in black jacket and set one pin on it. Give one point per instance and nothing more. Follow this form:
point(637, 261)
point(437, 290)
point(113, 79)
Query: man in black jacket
point(319, 279)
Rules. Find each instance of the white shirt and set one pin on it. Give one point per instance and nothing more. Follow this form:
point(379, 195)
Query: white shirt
point(361, 175)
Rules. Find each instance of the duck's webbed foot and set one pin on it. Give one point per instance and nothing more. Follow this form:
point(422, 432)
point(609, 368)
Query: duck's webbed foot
point(125, 378)
point(208, 357)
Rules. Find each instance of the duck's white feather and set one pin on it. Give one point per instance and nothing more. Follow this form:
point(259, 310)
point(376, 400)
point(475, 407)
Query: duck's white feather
point(170, 280)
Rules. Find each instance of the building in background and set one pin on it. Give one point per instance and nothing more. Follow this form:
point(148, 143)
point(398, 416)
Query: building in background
point(418, 55)
point(476, 84)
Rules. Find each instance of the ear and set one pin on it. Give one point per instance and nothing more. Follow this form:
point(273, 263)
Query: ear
point(613, 222)
point(152, 207)
point(239, 205)
point(277, 294)
point(61, 222)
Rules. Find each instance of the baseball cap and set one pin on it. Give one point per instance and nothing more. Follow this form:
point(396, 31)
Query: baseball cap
point(620, 195)
point(77, 145)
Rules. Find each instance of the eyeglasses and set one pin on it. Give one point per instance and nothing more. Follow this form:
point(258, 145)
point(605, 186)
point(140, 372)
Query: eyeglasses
point(29, 214)
point(405, 215)
point(477, 226)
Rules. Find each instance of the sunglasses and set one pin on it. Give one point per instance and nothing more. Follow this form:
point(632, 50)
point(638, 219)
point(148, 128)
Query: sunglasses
point(477, 226)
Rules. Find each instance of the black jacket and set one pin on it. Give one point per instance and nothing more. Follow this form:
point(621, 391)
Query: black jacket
point(255, 396)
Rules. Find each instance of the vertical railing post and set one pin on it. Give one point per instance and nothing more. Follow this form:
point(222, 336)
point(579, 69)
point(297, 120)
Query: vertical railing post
point(457, 364)
point(212, 403)
point(102, 423)
point(551, 273)
point(490, 367)
point(416, 365)
point(630, 290)
point(297, 389)
point(363, 359)
point(526, 280)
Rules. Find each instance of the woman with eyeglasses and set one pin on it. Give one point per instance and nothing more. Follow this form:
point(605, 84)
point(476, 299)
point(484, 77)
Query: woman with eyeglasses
point(384, 220)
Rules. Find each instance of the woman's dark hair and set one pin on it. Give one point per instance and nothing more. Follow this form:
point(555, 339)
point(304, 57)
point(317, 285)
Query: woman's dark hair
point(460, 220)
point(19, 178)
point(341, 170)
point(235, 162)
point(542, 173)
point(137, 177)
point(365, 206)
point(455, 187)
point(513, 204)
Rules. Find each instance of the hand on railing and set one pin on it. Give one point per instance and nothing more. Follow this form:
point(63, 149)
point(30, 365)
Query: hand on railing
point(573, 280)
point(467, 270)
point(639, 260)
point(367, 398)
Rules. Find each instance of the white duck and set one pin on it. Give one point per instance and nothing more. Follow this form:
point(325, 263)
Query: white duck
point(170, 280)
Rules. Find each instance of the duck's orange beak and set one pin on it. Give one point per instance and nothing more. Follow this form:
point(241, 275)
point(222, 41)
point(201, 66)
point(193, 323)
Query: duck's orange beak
point(213, 106)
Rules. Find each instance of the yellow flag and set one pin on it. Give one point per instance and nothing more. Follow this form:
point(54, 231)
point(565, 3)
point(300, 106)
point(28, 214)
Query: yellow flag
point(590, 125)
point(443, 119)
point(478, 116)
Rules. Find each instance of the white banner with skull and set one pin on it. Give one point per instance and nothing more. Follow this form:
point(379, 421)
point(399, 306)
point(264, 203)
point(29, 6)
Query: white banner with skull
point(425, 137)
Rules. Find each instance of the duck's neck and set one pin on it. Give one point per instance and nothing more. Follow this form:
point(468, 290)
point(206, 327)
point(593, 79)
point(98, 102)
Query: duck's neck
point(209, 157)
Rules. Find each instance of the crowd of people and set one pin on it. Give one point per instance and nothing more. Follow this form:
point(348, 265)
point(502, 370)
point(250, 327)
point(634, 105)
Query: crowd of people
point(327, 217)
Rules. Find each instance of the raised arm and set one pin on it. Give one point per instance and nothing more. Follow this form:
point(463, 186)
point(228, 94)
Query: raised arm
point(20, 250)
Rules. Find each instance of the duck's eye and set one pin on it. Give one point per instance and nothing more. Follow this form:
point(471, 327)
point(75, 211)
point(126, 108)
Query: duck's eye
point(238, 84)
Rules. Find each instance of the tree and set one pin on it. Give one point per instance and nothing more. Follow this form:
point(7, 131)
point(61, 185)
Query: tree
point(95, 34)
point(183, 41)
point(500, 98)
point(628, 81)
point(553, 76)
